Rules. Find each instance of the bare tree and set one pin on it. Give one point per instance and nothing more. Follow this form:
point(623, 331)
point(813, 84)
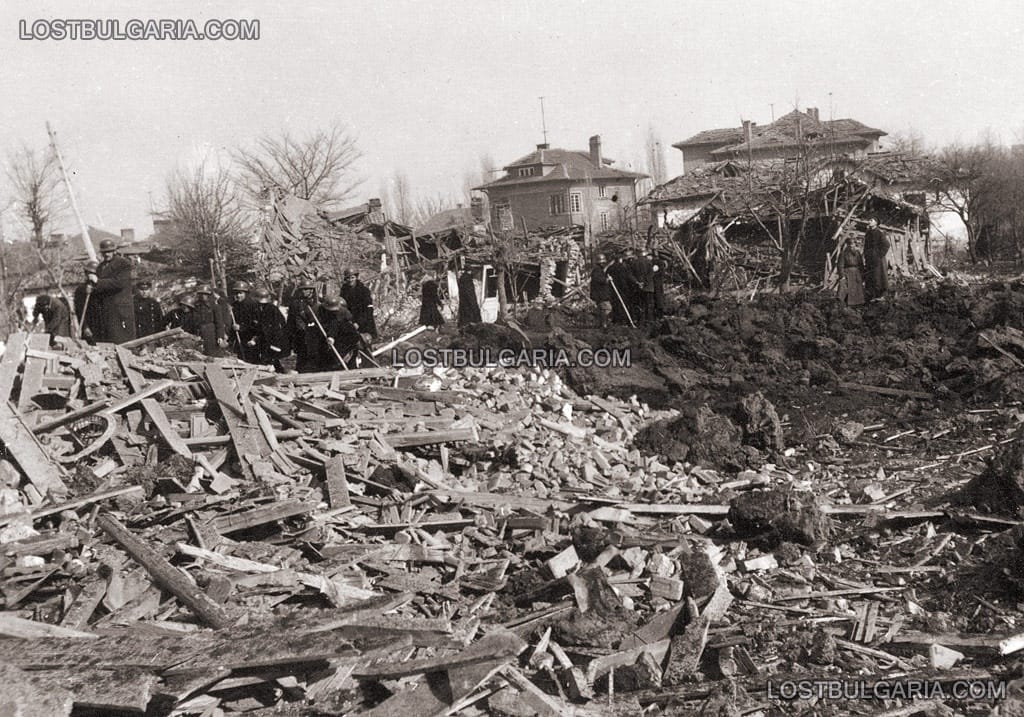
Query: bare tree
point(318, 167)
point(35, 178)
point(400, 194)
point(962, 179)
point(909, 142)
point(207, 221)
point(655, 156)
point(426, 207)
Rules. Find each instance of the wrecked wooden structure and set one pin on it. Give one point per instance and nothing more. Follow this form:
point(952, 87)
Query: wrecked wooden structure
point(734, 220)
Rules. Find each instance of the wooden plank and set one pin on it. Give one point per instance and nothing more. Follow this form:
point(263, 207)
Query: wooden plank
point(152, 407)
point(70, 416)
point(247, 438)
point(425, 438)
point(352, 375)
point(78, 503)
point(14, 626)
point(76, 617)
point(885, 390)
point(168, 334)
point(21, 445)
point(258, 516)
point(164, 574)
point(32, 379)
point(336, 484)
point(14, 353)
point(140, 395)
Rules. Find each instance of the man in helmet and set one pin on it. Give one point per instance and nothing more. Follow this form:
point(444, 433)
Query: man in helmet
point(211, 321)
point(304, 335)
point(55, 315)
point(149, 317)
point(112, 283)
point(88, 307)
point(359, 300)
point(340, 335)
point(182, 315)
point(243, 316)
point(269, 343)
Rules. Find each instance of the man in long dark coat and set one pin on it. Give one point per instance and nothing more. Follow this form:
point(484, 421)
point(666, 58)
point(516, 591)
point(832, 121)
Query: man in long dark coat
point(851, 266)
point(112, 284)
point(88, 308)
point(149, 317)
point(304, 335)
point(469, 308)
point(269, 344)
point(340, 335)
point(621, 280)
point(243, 314)
point(876, 247)
point(430, 305)
point(359, 300)
point(211, 321)
point(645, 285)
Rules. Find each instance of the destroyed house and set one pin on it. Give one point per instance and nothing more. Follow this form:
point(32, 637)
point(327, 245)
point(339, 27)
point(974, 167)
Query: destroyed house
point(728, 216)
point(552, 187)
point(788, 136)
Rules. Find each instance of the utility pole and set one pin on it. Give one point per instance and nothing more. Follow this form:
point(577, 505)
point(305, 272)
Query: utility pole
point(89, 249)
point(772, 105)
point(543, 121)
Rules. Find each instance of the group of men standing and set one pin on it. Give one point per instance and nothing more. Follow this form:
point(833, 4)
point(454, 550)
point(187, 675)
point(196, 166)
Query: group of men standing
point(864, 275)
point(628, 290)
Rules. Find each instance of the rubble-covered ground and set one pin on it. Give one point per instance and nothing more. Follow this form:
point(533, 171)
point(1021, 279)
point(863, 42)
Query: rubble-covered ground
point(775, 492)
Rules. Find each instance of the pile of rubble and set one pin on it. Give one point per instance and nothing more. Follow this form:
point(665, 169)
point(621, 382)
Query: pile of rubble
point(187, 536)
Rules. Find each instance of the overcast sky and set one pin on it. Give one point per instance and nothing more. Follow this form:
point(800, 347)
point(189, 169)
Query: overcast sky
point(428, 87)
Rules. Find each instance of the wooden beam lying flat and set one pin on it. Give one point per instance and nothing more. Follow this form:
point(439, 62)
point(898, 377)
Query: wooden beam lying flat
point(43, 473)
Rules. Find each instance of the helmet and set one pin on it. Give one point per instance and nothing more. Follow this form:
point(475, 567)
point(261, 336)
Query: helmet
point(240, 286)
point(43, 300)
point(108, 245)
point(204, 289)
point(146, 284)
point(261, 294)
point(306, 285)
point(332, 304)
point(187, 300)
point(91, 266)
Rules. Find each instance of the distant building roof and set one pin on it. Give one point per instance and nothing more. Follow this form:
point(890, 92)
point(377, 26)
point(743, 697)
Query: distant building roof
point(783, 132)
point(565, 165)
point(457, 218)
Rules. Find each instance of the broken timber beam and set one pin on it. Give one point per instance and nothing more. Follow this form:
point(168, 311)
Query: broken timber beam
point(248, 439)
point(14, 352)
point(164, 574)
point(885, 390)
point(82, 412)
point(152, 407)
point(424, 438)
point(357, 374)
point(168, 334)
point(19, 442)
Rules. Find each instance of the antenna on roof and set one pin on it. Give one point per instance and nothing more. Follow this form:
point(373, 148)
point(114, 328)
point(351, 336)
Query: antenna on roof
point(543, 122)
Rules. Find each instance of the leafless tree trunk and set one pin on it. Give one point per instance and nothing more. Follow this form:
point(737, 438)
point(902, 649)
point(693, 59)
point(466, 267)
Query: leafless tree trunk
point(35, 176)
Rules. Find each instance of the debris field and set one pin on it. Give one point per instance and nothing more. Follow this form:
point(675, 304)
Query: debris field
point(775, 490)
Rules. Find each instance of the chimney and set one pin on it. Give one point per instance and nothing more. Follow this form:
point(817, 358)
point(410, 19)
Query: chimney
point(595, 150)
point(56, 237)
point(540, 150)
point(374, 205)
point(813, 112)
point(127, 235)
point(748, 134)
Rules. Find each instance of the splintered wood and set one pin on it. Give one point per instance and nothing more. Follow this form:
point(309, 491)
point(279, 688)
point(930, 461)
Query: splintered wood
point(463, 542)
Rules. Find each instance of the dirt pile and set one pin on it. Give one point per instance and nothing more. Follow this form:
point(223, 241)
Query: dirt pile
point(1000, 488)
point(776, 516)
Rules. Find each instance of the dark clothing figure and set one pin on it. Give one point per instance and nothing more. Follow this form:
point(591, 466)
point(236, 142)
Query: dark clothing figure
point(269, 343)
point(211, 323)
point(88, 311)
point(114, 289)
point(55, 315)
point(304, 336)
point(430, 305)
point(244, 314)
point(851, 269)
point(337, 326)
point(659, 290)
point(601, 293)
point(645, 287)
point(876, 277)
point(469, 308)
point(622, 279)
point(149, 317)
point(180, 317)
point(359, 300)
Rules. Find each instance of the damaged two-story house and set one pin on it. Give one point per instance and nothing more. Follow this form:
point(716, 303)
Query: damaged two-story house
point(552, 187)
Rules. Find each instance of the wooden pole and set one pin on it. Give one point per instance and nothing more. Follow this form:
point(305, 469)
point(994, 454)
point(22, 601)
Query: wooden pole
point(90, 250)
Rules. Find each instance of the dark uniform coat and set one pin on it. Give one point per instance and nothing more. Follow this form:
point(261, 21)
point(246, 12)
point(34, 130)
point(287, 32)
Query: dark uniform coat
point(469, 308)
point(430, 305)
point(271, 336)
point(600, 290)
point(622, 277)
point(91, 320)
point(338, 326)
point(876, 277)
point(179, 317)
point(116, 300)
point(360, 303)
point(304, 336)
point(149, 317)
point(56, 317)
point(211, 323)
point(244, 313)
point(851, 288)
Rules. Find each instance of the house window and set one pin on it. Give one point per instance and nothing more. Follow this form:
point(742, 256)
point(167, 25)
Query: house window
point(575, 202)
point(526, 171)
point(491, 283)
point(557, 203)
point(604, 221)
point(503, 216)
point(600, 190)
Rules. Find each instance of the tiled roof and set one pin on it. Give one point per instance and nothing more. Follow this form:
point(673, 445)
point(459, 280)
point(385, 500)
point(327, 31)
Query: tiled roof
point(783, 132)
point(566, 165)
point(725, 135)
point(457, 218)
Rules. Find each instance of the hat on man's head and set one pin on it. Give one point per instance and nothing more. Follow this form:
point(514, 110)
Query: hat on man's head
point(240, 286)
point(347, 273)
point(91, 266)
point(144, 284)
point(204, 289)
point(261, 294)
point(187, 300)
point(108, 245)
point(332, 304)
